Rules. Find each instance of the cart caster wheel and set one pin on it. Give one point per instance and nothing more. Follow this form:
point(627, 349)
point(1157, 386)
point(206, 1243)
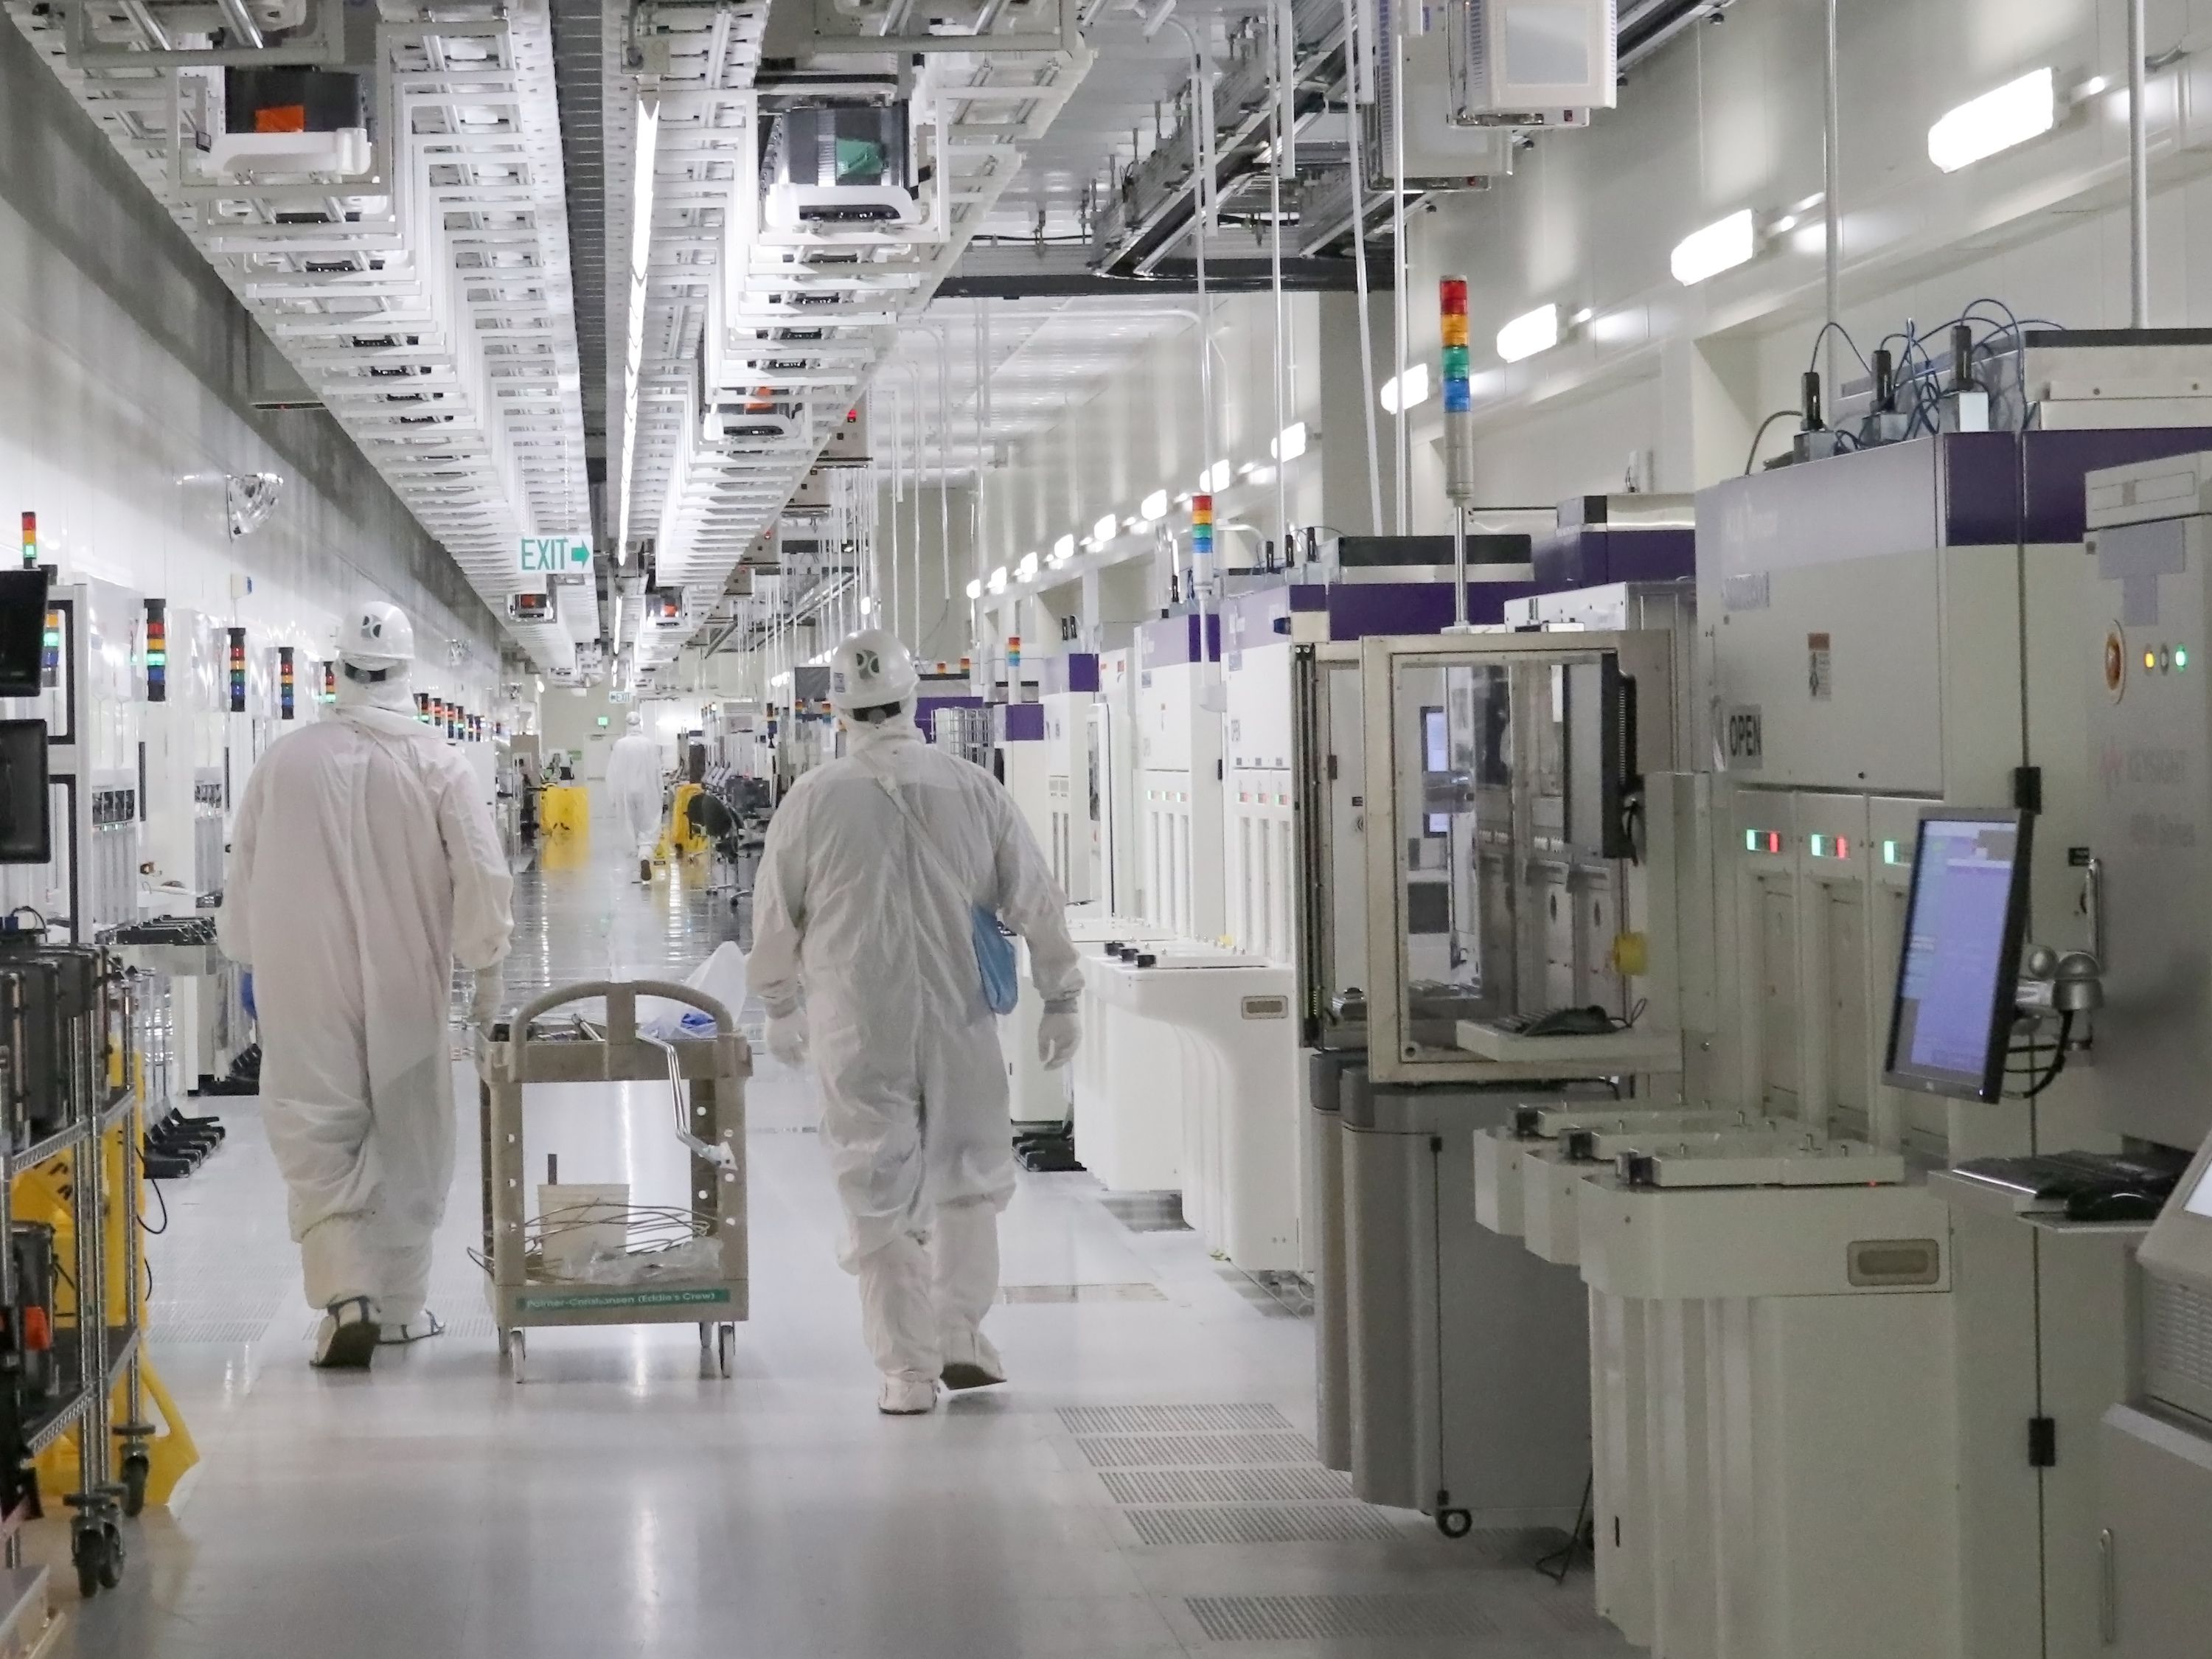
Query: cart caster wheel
point(1454, 1523)
point(706, 1337)
point(110, 1566)
point(725, 1348)
point(88, 1554)
point(137, 1470)
point(515, 1350)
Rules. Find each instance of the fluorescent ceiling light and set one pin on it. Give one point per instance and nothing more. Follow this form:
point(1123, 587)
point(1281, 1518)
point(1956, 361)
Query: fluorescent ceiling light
point(998, 582)
point(1154, 506)
point(1291, 443)
point(1415, 381)
point(1530, 332)
point(976, 590)
point(1063, 549)
point(2016, 112)
point(1215, 478)
point(1104, 530)
point(1722, 245)
point(1027, 570)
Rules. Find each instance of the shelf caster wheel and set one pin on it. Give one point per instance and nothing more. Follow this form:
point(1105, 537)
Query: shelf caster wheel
point(706, 1337)
point(111, 1567)
point(725, 1348)
point(515, 1350)
point(137, 1470)
point(1454, 1523)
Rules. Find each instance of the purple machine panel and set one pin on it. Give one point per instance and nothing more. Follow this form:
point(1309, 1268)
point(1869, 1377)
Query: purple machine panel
point(1017, 722)
point(1072, 670)
point(1594, 555)
point(1357, 610)
point(1958, 489)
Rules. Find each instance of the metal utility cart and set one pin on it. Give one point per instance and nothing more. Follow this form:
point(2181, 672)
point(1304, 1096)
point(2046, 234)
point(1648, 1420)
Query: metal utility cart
point(707, 1078)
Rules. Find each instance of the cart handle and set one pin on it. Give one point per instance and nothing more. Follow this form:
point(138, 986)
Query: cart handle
point(622, 997)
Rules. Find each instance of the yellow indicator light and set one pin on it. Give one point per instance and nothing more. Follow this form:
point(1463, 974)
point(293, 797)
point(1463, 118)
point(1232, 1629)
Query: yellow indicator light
point(2150, 660)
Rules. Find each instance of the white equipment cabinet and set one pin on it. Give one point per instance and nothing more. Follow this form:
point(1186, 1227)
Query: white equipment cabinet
point(1222, 1023)
point(2144, 637)
point(1261, 855)
point(1178, 777)
point(1073, 839)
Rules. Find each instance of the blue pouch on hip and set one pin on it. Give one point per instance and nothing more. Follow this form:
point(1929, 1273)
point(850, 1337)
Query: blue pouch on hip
point(995, 961)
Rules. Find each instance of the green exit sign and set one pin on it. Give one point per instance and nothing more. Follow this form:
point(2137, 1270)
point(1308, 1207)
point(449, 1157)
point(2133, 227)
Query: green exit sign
point(555, 555)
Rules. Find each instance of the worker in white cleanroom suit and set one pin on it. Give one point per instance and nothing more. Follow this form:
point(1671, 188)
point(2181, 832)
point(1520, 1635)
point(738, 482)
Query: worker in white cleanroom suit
point(864, 956)
point(364, 865)
point(634, 787)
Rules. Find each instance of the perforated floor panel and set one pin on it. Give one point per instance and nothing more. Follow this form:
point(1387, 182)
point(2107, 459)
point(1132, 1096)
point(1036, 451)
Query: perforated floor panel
point(1308, 1523)
point(1172, 1419)
point(1290, 1486)
point(1337, 1618)
point(1194, 1451)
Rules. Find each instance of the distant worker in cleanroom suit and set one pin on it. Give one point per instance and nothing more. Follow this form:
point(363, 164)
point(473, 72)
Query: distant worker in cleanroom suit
point(634, 787)
point(364, 864)
point(864, 912)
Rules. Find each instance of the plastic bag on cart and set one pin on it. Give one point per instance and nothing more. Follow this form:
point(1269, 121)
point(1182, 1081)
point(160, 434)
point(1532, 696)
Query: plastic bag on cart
point(697, 1258)
point(721, 976)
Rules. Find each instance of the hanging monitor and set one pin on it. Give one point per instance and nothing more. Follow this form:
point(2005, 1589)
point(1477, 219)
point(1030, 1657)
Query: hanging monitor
point(22, 631)
point(1950, 1022)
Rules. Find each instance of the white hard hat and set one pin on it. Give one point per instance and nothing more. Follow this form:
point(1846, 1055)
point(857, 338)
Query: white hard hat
point(869, 669)
point(378, 635)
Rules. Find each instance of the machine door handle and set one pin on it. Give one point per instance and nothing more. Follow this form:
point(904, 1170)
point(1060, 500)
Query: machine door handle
point(2108, 1590)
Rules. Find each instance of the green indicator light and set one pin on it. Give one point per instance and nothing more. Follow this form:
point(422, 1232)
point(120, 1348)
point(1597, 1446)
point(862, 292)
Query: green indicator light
point(1820, 846)
point(1751, 840)
point(1892, 852)
point(2180, 656)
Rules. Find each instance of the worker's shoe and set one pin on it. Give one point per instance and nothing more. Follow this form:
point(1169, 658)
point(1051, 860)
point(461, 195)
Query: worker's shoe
point(970, 1362)
point(420, 1328)
point(907, 1394)
point(645, 870)
point(346, 1340)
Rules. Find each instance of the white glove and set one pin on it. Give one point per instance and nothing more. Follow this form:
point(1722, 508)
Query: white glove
point(1058, 1034)
point(786, 1038)
point(484, 1007)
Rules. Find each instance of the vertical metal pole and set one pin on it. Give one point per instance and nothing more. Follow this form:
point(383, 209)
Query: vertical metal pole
point(898, 494)
point(1399, 262)
point(945, 461)
point(1279, 138)
point(1351, 95)
point(2138, 173)
point(1831, 195)
point(1202, 203)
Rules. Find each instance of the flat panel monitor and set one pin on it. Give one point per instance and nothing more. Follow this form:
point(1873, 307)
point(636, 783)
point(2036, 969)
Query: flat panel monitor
point(1950, 1022)
point(22, 631)
point(26, 799)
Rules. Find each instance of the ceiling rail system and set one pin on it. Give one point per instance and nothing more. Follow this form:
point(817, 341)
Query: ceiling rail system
point(383, 191)
point(768, 291)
